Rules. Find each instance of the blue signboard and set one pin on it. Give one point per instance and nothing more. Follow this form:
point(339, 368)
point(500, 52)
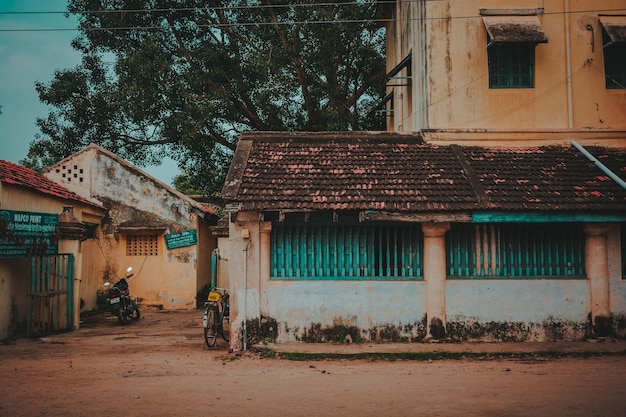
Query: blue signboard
point(179, 240)
point(24, 233)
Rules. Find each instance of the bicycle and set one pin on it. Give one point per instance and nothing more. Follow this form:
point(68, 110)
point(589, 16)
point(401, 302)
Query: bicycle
point(216, 311)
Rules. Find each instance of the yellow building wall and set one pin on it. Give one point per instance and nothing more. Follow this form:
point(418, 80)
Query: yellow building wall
point(156, 279)
point(15, 273)
point(451, 55)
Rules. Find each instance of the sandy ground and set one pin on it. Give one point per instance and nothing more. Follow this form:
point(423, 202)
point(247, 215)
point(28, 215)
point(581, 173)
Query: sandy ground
point(160, 367)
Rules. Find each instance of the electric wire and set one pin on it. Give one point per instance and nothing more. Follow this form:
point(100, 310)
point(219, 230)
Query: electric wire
point(252, 7)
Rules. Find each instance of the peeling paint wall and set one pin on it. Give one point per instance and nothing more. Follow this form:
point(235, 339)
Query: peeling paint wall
point(492, 310)
point(517, 310)
point(617, 284)
point(139, 204)
point(458, 93)
point(327, 311)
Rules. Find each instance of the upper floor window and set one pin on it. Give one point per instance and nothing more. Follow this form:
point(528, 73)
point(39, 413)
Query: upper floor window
point(511, 47)
point(511, 65)
point(614, 47)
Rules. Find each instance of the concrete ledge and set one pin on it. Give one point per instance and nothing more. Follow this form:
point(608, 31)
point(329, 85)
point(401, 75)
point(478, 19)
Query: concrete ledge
point(454, 349)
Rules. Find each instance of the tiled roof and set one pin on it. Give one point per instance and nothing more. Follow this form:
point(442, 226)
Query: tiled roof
point(14, 174)
point(401, 173)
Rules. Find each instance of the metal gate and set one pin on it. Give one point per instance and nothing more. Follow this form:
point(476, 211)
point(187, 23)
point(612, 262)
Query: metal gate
point(51, 294)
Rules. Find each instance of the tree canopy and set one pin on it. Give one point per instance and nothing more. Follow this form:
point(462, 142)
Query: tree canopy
point(182, 78)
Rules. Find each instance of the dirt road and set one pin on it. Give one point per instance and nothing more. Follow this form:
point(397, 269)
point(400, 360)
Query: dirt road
point(159, 367)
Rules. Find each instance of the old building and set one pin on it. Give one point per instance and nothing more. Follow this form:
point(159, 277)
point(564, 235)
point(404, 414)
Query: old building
point(44, 233)
point(164, 235)
point(383, 237)
point(495, 211)
point(479, 73)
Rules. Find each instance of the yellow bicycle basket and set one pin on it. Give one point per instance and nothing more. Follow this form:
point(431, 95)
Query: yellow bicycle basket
point(214, 296)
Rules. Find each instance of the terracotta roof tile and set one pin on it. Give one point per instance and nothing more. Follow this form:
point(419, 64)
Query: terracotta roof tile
point(395, 172)
point(14, 174)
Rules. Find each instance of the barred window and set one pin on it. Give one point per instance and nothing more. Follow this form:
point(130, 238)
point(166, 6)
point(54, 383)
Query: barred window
point(520, 250)
point(512, 65)
point(142, 245)
point(344, 252)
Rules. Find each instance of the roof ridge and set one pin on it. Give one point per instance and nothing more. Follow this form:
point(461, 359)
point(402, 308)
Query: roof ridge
point(477, 188)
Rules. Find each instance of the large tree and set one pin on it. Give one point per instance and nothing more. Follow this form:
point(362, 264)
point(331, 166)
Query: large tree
point(183, 78)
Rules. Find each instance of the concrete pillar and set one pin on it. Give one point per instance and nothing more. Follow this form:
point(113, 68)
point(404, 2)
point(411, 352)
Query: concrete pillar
point(435, 277)
point(264, 265)
point(71, 233)
point(597, 268)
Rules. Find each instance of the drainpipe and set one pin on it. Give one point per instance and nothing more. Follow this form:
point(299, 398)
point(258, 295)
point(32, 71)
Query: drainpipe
point(570, 111)
point(600, 165)
point(214, 260)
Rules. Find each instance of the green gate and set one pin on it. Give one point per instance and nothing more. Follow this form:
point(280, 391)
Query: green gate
point(51, 294)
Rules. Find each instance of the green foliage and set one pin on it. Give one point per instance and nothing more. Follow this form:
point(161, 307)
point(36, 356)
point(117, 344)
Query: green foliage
point(183, 78)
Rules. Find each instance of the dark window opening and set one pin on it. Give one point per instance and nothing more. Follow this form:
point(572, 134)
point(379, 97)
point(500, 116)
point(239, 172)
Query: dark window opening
point(511, 65)
point(614, 62)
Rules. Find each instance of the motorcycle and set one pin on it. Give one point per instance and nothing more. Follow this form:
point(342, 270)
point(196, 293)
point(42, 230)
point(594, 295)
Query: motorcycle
point(122, 304)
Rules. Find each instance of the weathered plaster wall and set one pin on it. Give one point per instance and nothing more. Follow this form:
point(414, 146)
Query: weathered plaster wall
point(167, 281)
point(13, 299)
point(617, 284)
point(115, 182)
point(314, 310)
point(328, 311)
point(138, 202)
point(517, 310)
point(90, 274)
point(568, 94)
point(475, 309)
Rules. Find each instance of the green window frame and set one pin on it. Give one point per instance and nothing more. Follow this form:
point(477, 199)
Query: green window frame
point(614, 63)
point(516, 250)
point(346, 251)
point(511, 65)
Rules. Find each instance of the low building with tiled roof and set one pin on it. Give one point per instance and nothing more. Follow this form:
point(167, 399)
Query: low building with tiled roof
point(163, 234)
point(378, 236)
point(42, 225)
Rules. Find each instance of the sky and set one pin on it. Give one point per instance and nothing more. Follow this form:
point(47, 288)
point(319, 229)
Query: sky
point(29, 54)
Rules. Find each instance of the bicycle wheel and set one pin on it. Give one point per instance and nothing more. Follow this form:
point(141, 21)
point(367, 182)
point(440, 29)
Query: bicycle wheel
point(210, 326)
point(225, 328)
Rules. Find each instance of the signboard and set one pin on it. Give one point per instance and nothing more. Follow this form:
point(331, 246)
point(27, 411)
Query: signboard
point(24, 233)
point(179, 240)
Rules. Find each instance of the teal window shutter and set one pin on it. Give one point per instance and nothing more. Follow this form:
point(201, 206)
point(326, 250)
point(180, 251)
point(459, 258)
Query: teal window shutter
point(346, 251)
point(516, 250)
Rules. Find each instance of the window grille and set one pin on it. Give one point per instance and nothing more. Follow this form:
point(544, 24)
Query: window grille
point(375, 252)
point(614, 63)
point(511, 65)
point(530, 250)
point(142, 245)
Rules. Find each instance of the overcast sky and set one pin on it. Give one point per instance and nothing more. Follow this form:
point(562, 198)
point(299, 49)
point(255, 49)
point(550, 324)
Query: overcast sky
point(29, 54)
